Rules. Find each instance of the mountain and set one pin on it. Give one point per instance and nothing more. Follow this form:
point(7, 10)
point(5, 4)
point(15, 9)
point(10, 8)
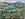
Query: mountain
point(11, 5)
point(18, 3)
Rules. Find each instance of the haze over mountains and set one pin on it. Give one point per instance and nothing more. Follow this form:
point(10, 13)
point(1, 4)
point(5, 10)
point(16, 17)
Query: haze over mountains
point(19, 3)
point(16, 3)
point(12, 1)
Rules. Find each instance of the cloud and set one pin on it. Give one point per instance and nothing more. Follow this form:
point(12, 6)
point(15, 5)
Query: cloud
point(12, 1)
point(1, 0)
point(15, 0)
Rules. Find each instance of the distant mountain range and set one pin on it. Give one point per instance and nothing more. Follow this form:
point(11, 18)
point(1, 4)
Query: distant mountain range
point(18, 3)
point(11, 5)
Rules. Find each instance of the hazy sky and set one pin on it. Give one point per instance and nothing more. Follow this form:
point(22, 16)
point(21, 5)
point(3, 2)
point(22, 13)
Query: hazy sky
point(15, 1)
point(12, 0)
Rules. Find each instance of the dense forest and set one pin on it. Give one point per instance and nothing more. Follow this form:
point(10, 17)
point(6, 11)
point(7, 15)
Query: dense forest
point(11, 10)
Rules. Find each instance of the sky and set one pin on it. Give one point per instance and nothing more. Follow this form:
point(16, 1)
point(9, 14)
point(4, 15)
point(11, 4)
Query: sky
point(15, 1)
point(12, 1)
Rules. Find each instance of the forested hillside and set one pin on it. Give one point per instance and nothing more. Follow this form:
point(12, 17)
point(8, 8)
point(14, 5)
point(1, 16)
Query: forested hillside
point(11, 10)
